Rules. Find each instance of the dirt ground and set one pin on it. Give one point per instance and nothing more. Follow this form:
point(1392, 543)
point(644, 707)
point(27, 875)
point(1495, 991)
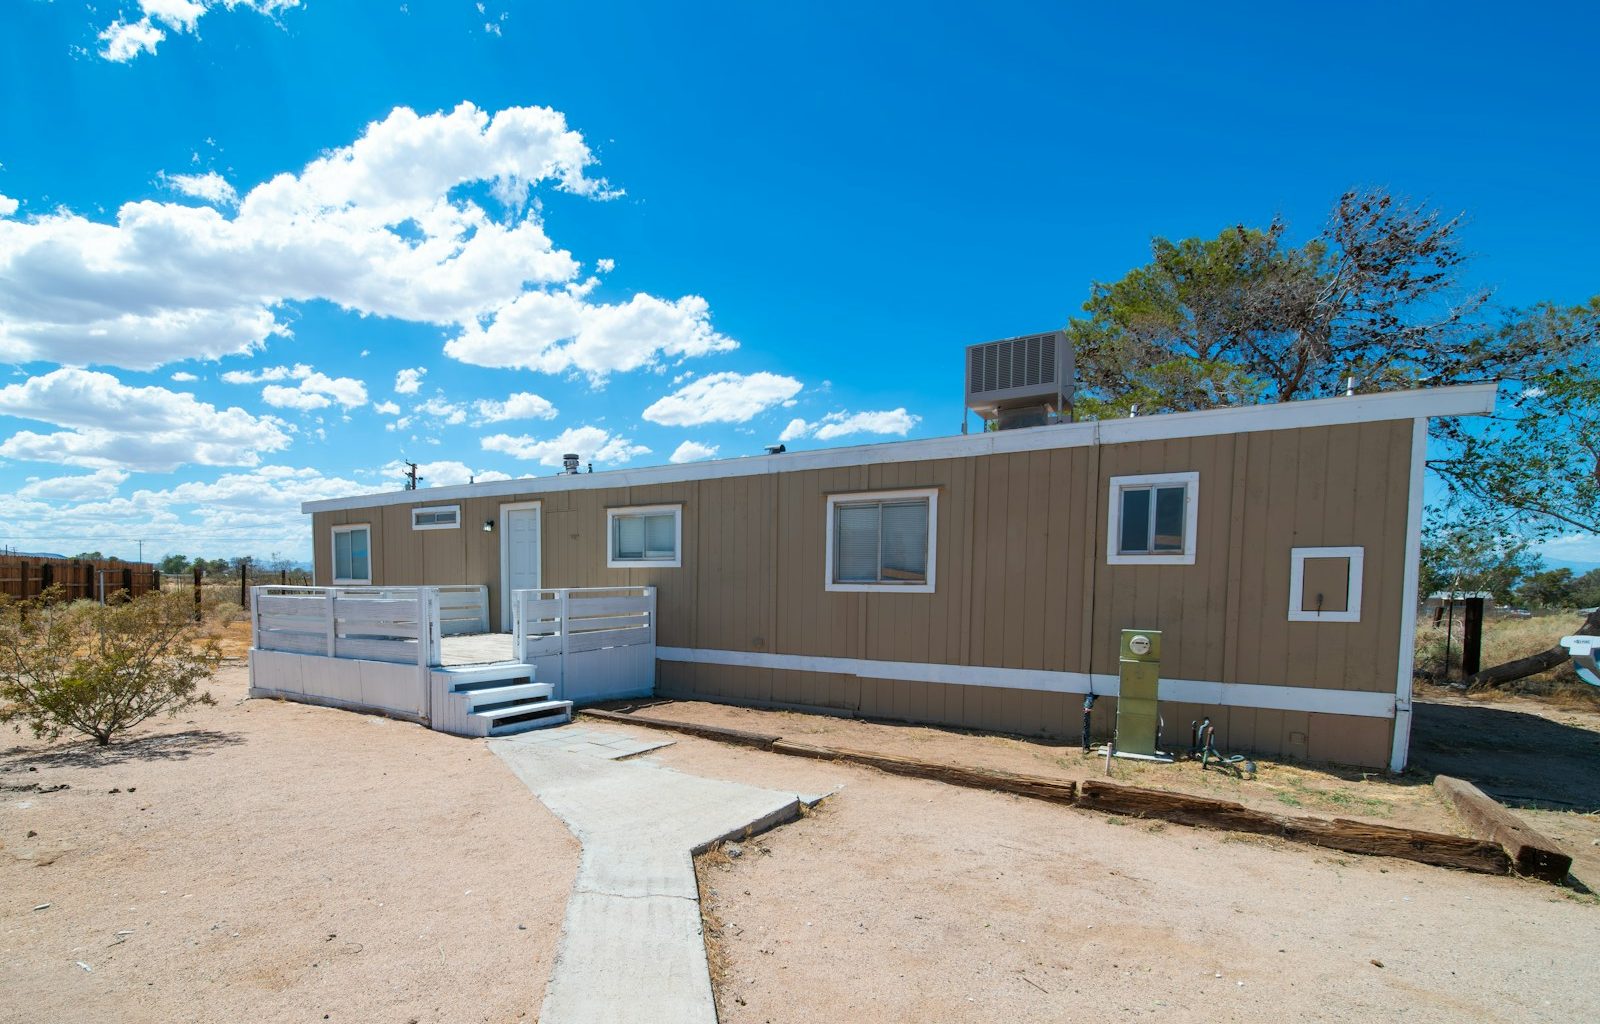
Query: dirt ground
point(1537, 755)
point(1327, 790)
point(901, 899)
point(269, 861)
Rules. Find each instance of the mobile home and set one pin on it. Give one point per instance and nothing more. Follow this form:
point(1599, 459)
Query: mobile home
point(982, 580)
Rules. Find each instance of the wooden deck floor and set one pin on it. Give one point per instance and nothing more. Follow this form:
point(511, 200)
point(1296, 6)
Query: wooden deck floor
point(476, 649)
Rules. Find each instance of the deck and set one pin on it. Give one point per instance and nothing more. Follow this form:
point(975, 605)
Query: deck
point(476, 649)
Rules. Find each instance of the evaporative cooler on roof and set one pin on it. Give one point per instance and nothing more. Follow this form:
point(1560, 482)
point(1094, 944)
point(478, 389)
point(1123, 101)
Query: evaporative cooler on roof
point(1020, 382)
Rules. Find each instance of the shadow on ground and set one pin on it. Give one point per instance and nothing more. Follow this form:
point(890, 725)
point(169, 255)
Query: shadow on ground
point(1522, 760)
point(178, 746)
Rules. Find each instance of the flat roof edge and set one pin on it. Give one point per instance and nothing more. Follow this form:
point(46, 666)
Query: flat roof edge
point(1455, 400)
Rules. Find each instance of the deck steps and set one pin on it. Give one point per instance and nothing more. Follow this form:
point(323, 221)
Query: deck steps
point(522, 717)
point(500, 698)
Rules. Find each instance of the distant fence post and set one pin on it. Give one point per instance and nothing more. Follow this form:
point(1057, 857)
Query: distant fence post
point(198, 574)
point(47, 576)
point(155, 580)
point(283, 577)
point(244, 583)
point(22, 580)
point(127, 583)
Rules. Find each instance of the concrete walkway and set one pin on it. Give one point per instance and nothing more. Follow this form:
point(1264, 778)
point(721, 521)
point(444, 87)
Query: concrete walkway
point(631, 948)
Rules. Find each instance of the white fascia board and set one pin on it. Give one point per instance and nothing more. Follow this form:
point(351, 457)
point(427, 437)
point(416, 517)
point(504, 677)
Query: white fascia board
point(1360, 703)
point(1459, 400)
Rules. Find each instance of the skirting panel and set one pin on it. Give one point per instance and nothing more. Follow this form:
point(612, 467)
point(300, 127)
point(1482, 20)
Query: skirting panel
point(1300, 735)
point(1360, 703)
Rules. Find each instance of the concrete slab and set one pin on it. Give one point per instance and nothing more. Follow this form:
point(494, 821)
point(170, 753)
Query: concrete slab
point(631, 948)
point(612, 746)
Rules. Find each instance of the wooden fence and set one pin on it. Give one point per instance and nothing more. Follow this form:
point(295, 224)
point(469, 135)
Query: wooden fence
point(100, 580)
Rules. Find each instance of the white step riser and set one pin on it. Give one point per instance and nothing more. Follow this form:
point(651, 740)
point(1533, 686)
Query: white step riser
point(500, 694)
point(523, 709)
point(538, 723)
point(507, 673)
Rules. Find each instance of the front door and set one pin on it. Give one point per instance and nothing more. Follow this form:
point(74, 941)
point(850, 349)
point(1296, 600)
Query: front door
point(519, 554)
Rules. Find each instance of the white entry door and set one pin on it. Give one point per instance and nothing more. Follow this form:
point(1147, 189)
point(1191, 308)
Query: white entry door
point(519, 554)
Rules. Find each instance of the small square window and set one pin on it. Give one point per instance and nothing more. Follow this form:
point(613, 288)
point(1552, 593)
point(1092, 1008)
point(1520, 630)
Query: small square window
point(1152, 519)
point(439, 517)
point(881, 541)
point(352, 554)
point(1325, 584)
point(644, 536)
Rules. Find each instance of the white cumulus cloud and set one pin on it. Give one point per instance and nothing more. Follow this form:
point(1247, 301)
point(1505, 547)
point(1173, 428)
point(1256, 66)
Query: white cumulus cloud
point(553, 331)
point(398, 224)
point(126, 39)
point(102, 483)
point(444, 473)
point(692, 451)
point(184, 377)
point(521, 406)
point(409, 380)
point(210, 186)
point(110, 425)
point(843, 424)
point(8, 206)
point(722, 398)
point(314, 390)
point(590, 443)
point(386, 408)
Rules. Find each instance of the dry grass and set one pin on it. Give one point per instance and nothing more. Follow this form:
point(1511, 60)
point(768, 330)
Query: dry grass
point(707, 867)
point(1506, 640)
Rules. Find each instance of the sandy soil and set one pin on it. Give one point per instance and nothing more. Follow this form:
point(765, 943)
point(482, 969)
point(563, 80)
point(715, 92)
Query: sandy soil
point(268, 861)
point(1327, 790)
point(904, 900)
point(1540, 756)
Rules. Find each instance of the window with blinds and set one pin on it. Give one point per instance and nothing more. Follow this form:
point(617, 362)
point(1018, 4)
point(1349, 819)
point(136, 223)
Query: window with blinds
point(881, 542)
point(644, 536)
point(1153, 519)
point(352, 561)
point(441, 517)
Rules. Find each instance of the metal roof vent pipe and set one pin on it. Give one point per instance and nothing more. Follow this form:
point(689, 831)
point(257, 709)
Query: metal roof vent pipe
point(569, 464)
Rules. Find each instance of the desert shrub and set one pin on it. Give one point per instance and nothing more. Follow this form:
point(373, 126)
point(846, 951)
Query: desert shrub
point(97, 669)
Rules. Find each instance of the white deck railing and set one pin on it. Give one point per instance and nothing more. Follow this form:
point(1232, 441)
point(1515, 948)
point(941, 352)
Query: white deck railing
point(371, 647)
point(591, 643)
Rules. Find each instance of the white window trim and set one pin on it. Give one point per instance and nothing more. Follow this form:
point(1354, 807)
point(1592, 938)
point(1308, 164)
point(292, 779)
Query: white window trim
point(676, 561)
point(932, 494)
point(1297, 578)
point(333, 555)
point(1191, 518)
point(436, 526)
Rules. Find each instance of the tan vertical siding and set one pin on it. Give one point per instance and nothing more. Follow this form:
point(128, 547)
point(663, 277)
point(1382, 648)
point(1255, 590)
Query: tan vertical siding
point(1022, 579)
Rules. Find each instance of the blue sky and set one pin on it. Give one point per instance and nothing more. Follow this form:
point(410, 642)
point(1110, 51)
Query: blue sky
point(651, 231)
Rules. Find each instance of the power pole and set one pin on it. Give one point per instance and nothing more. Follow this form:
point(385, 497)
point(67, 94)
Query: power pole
point(412, 477)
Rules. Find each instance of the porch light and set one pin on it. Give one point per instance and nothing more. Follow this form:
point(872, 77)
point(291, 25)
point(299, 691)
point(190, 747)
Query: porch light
point(488, 526)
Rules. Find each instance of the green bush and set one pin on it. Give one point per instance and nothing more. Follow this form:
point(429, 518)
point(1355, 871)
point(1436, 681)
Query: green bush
point(97, 669)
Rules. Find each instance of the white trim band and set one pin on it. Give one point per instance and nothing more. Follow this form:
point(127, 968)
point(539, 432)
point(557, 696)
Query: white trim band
point(1361, 703)
point(1459, 400)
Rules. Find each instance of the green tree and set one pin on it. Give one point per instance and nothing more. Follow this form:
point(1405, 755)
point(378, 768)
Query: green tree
point(172, 565)
point(1374, 302)
point(1474, 556)
point(1551, 588)
point(100, 669)
point(89, 556)
point(1586, 590)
